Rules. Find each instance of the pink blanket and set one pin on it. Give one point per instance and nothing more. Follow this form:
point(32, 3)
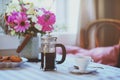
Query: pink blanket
point(105, 55)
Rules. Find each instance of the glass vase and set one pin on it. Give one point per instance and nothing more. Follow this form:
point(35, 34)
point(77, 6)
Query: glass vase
point(31, 49)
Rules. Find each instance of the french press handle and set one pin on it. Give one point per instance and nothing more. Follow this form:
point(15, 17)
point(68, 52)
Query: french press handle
point(63, 53)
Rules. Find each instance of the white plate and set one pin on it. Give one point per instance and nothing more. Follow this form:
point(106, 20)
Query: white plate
point(12, 64)
point(77, 71)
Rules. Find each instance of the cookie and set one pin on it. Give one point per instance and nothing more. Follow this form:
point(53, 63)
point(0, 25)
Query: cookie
point(15, 59)
point(6, 61)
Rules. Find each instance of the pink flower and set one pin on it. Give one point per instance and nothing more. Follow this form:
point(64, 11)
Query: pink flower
point(11, 18)
point(46, 20)
point(22, 23)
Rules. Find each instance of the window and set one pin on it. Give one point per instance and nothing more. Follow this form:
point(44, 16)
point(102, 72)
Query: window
point(72, 15)
point(67, 12)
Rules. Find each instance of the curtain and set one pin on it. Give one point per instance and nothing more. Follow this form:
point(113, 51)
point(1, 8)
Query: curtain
point(111, 10)
point(88, 13)
point(90, 10)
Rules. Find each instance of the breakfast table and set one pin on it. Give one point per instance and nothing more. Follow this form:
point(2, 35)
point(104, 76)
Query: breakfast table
point(32, 71)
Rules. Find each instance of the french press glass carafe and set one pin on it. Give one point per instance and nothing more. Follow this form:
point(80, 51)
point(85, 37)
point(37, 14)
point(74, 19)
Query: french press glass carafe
point(48, 53)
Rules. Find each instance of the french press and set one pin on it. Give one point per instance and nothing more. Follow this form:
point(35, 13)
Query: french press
point(48, 53)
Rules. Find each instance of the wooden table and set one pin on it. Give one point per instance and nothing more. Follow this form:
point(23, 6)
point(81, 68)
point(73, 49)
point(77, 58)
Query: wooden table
point(32, 71)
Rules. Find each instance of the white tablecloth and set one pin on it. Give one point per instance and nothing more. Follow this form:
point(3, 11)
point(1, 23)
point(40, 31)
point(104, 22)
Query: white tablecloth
point(32, 71)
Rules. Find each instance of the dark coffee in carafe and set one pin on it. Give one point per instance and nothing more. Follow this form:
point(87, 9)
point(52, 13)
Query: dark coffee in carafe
point(48, 61)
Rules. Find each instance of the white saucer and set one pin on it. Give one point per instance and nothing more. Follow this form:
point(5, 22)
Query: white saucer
point(77, 71)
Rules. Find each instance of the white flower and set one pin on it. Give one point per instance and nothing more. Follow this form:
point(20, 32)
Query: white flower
point(33, 18)
point(30, 8)
point(12, 32)
point(39, 12)
point(38, 27)
point(13, 7)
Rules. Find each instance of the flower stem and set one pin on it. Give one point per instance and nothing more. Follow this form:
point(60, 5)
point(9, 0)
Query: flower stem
point(22, 5)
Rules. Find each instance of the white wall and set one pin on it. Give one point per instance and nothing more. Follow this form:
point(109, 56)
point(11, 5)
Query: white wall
point(8, 42)
point(8, 45)
point(67, 38)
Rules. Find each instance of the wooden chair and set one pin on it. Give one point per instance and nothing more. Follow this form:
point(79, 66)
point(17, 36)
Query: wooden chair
point(104, 32)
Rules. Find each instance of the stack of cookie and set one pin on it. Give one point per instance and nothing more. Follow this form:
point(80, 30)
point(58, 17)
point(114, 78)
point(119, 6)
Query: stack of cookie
point(10, 59)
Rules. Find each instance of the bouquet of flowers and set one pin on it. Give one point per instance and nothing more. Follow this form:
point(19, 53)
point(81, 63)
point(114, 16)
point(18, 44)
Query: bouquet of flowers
point(24, 18)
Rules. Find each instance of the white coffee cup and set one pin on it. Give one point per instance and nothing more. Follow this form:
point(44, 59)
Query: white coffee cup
point(82, 62)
